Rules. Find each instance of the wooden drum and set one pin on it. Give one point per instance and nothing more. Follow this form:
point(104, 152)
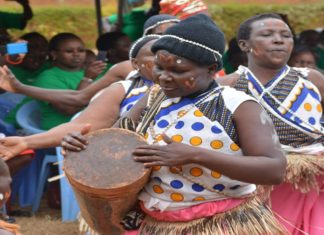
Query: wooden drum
point(106, 179)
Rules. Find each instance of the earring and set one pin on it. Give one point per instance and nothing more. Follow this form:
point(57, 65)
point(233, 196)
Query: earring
point(192, 78)
point(1, 197)
point(143, 65)
point(251, 50)
point(178, 61)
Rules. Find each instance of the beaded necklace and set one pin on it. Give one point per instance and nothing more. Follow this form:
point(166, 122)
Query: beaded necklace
point(158, 137)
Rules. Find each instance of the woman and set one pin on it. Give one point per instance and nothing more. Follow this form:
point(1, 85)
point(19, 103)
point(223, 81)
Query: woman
point(118, 97)
point(207, 150)
point(294, 99)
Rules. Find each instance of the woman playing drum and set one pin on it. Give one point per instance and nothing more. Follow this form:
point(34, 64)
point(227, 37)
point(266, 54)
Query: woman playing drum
point(211, 145)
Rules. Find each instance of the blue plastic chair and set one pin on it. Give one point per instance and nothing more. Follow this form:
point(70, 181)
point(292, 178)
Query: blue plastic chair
point(28, 117)
point(26, 181)
point(70, 207)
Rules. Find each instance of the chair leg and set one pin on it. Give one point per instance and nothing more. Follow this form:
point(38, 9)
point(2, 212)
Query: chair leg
point(45, 171)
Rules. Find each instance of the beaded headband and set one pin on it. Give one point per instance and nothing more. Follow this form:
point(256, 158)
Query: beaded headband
point(159, 23)
point(193, 43)
point(153, 36)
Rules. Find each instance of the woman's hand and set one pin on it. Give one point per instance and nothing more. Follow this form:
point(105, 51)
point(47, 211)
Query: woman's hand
point(11, 147)
point(75, 141)
point(172, 154)
point(8, 81)
point(94, 69)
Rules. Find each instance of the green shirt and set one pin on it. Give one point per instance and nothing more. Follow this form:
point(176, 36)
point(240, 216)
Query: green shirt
point(56, 78)
point(133, 23)
point(25, 76)
point(11, 20)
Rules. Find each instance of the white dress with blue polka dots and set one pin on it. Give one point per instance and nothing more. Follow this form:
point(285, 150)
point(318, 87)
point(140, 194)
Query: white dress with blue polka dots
point(168, 190)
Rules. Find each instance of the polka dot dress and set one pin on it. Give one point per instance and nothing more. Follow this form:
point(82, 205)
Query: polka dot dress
point(168, 189)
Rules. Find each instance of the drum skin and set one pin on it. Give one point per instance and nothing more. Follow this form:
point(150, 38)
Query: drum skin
point(105, 178)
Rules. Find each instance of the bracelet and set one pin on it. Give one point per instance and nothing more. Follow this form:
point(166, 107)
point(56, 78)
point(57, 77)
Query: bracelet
point(85, 79)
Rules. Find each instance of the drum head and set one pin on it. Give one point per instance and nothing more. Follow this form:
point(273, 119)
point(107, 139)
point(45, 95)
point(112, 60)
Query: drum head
point(107, 162)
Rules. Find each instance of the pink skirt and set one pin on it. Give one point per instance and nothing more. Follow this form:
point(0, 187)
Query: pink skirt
point(195, 212)
point(300, 213)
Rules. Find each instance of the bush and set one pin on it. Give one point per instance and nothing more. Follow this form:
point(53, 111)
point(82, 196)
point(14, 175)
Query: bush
point(301, 16)
point(82, 20)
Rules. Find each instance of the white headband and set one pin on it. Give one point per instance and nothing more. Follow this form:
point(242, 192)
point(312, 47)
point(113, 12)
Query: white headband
point(138, 41)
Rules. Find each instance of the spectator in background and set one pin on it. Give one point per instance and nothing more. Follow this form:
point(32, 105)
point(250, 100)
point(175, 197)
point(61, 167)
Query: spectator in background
point(115, 45)
point(319, 50)
point(16, 20)
point(302, 57)
point(309, 37)
point(129, 20)
point(90, 57)
point(234, 57)
point(35, 60)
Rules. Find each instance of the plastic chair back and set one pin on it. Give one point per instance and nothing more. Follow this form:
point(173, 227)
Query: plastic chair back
point(28, 117)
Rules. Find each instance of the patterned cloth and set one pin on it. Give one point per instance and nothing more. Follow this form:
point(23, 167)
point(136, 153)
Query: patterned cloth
point(135, 89)
point(293, 103)
point(200, 126)
point(182, 8)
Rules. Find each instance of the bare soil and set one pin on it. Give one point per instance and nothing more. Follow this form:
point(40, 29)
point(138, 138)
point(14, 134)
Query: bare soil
point(46, 221)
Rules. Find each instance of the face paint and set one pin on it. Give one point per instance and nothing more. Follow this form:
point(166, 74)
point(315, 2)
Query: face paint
point(265, 119)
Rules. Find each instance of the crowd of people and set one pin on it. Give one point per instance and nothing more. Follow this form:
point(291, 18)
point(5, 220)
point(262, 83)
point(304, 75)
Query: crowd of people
point(223, 123)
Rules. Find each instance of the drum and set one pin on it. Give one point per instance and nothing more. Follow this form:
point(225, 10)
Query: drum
point(105, 178)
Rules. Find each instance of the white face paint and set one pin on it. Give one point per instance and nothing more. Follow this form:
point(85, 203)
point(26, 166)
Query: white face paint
point(265, 118)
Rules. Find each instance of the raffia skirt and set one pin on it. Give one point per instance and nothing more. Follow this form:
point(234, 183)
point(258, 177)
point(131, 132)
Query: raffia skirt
point(249, 217)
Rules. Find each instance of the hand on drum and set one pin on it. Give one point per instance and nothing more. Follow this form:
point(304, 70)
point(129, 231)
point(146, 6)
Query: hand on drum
point(172, 154)
point(75, 141)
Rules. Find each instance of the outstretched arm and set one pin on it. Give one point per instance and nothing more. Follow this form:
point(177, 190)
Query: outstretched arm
point(77, 99)
point(101, 113)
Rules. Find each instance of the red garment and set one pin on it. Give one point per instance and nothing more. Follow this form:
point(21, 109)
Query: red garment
point(27, 152)
point(182, 8)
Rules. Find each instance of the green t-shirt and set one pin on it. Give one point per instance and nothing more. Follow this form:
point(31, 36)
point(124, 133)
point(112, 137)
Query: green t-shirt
point(25, 76)
point(56, 78)
point(11, 20)
point(133, 23)
point(319, 50)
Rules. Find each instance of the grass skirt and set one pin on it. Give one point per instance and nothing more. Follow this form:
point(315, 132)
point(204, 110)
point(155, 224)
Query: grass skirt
point(250, 218)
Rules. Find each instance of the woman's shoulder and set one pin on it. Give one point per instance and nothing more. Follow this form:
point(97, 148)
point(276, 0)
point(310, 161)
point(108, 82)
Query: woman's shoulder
point(228, 80)
point(234, 98)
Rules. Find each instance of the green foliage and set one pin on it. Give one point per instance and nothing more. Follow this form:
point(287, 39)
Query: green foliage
point(300, 16)
point(82, 20)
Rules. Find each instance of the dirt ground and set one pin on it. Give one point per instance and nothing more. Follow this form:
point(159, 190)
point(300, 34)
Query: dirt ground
point(46, 221)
